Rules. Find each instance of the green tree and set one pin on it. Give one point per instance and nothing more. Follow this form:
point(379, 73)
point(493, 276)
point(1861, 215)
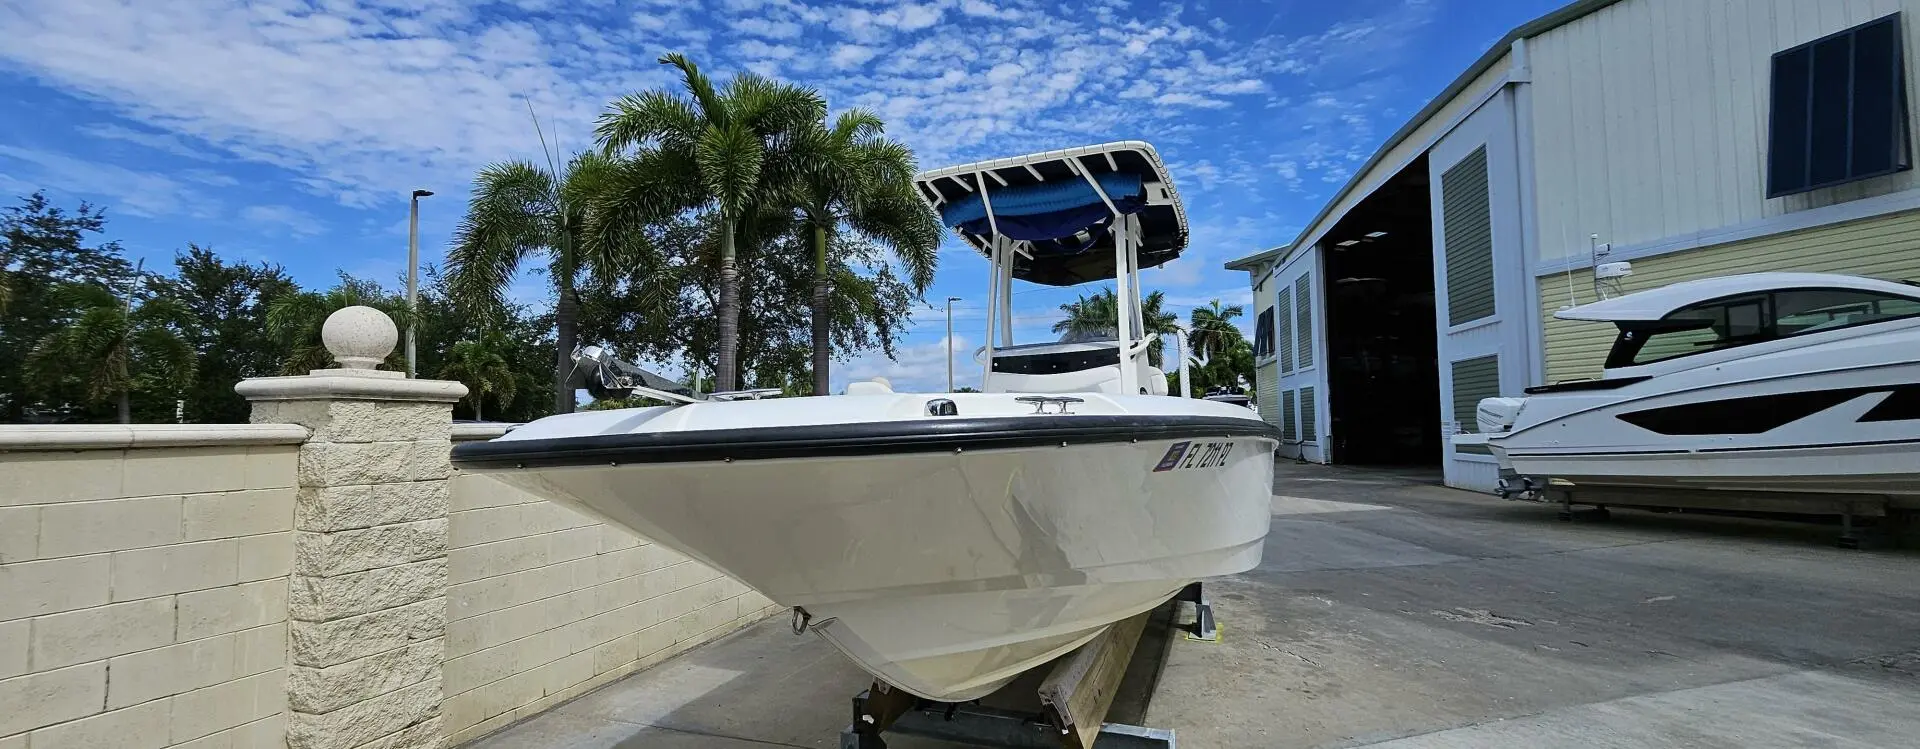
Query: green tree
point(482, 365)
point(1098, 318)
point(294, 320)
point(114, 347)
point(225, 304)
point(1211, 329)
point(867, 308)
point(42, 248)
point(730, 150)
point(524, 337)
point(853, 176)
point(518, 210)
point(1229, 368)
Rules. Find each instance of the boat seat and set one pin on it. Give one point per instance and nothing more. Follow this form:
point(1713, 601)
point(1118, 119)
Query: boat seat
point(875, 386)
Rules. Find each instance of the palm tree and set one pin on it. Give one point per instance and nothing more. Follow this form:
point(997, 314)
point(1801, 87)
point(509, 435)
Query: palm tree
point(731, 150)
point(856, 177)
point(295, 320)
point(519, 209)
point(483, 368)
point(1212, 330)
point(115, 346)
point(1098, 317)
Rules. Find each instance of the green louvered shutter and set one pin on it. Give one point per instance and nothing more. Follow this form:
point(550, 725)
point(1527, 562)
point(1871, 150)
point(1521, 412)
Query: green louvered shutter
point(1287, 419)
point(1306, 416)
point(1473, 380)
point(1283, 322)
point(1303, 314)
point(1467, 220)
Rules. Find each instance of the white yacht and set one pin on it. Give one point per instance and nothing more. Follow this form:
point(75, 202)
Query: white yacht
point(1763, 382)
point(948, 542)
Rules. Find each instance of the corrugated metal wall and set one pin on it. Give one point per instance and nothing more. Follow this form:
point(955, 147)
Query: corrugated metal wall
point(1266, 383)
point(1473, 379)
point(1886, 247)
point(1467, 219)
point(1650, 116)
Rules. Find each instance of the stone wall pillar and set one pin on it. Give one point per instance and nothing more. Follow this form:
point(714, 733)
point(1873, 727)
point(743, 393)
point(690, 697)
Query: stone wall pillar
point(367, 596)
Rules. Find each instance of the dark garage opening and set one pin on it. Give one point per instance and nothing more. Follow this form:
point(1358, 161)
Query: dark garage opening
point(1383, 382)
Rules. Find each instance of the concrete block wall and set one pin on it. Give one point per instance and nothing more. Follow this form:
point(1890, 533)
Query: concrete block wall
point(143, 586)
point(319, 579)
point(545, 604)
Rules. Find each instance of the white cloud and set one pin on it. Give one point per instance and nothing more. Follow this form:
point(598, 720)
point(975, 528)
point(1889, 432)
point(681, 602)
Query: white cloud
point(164, 142)
point(852, 55)
point(754, 48)
point(284, 218)
point(917, 368)
point(1189, 100)
point(767, 28)
point(130, 191)
point(1242, 86)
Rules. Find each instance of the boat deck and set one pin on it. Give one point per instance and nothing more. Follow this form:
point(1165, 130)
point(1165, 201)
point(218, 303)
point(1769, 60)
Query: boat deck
point(1391, 613)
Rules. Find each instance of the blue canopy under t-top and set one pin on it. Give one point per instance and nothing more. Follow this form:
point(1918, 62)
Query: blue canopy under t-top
point(1064, 217)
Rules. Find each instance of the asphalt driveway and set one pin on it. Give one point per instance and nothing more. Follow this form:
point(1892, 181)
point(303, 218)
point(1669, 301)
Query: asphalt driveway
point(1390, 612)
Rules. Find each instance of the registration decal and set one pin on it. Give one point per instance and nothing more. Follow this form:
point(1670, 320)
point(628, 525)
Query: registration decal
point(1172, 458)
point(1184, 456)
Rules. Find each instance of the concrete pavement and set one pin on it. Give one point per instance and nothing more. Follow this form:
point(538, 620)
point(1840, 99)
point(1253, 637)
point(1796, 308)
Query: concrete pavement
point(1393, 613)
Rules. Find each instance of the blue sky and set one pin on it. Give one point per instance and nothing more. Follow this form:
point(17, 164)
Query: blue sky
point(292, 131)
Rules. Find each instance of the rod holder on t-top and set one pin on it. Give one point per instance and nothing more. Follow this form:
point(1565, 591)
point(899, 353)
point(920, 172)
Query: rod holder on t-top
point(1064, 218)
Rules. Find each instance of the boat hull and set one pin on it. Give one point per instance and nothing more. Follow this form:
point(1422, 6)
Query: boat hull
point(1884, 469)
point(1798, 421)
point(949, 573)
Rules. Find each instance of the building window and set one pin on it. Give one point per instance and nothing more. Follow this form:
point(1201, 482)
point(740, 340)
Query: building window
point(1839, 110)
point(1263, 334)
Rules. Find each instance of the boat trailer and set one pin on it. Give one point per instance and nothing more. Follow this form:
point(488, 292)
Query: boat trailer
point(1074, 698)
point(1592, 503)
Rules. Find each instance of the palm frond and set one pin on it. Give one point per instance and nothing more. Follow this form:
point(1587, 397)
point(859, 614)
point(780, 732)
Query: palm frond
point(729, 159)
point(657, 117)
point(508, 216)
point(712, 108)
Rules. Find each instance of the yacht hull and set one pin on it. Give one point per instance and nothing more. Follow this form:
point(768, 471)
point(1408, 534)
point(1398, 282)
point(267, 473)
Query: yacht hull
point(1825, 430)
point(948, 572)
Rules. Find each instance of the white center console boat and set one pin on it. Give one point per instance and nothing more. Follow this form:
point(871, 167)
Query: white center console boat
point(948, 542)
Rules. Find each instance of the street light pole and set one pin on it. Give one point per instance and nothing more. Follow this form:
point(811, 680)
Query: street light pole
point(413, 274)
point(950, 301)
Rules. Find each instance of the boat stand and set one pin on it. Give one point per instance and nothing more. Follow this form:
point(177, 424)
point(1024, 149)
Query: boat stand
point(1073, 700)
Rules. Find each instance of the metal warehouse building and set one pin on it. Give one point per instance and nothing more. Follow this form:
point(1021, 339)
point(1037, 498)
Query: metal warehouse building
point(1690, 138)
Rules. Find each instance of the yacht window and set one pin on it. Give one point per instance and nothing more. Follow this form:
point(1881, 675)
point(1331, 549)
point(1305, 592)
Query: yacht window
point(1813, 310)
point(1738, 321)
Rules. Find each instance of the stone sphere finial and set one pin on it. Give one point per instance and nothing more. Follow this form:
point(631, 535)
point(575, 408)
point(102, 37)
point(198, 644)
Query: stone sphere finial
point(359, 337)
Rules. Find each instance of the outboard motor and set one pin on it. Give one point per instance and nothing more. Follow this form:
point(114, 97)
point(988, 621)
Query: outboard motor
point(1496, 415)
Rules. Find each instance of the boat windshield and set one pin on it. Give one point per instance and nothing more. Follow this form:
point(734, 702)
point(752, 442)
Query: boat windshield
point(1056, 358)
point(1752, 318)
